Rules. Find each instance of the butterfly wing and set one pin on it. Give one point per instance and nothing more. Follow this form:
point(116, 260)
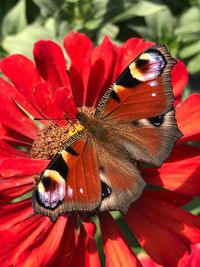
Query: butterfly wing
point(139, 107)
point(143, 90)
point(122, 182)
point(66, 185)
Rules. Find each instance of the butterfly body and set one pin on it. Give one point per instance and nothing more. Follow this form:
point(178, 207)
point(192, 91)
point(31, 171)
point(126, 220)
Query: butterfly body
point(133, 122)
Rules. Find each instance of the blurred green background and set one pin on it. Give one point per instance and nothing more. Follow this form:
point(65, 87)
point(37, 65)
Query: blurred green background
point(174, 23)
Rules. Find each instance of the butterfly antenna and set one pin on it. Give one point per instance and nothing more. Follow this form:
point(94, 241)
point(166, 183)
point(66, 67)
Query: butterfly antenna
point(69, 121)
point(50, 119)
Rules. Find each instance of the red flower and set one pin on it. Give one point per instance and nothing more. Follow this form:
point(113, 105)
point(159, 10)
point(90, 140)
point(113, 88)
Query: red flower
point(193, 259)
point(44, 89)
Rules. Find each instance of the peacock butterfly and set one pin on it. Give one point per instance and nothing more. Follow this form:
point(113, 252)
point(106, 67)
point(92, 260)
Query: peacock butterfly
point(133, 122)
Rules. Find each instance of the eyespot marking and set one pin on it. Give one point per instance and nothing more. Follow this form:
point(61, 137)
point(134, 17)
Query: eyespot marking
point(148, 66)
point(46, 182)
point(105, 190)
point(50, 191)
point(157, 121)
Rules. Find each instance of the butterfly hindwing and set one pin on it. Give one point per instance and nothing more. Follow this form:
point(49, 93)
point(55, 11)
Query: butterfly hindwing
point(118, 172)
point(66, 185)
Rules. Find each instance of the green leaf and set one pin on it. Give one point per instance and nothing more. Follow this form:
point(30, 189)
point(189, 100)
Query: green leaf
point(143, 31)
point(23, 42)
point(142, 9)
point(15, 20)
point(190, 27)
point(194, 64)
point(145, 8)
point(191, 14)
point(110, 30)
point(190, 50)
point(48, 7)
point(189, 22)
point(162, 24)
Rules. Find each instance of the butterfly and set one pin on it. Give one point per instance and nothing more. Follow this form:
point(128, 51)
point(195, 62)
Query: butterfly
point(134, 122)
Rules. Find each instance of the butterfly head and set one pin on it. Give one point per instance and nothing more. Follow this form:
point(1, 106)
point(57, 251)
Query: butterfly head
point(75, 128)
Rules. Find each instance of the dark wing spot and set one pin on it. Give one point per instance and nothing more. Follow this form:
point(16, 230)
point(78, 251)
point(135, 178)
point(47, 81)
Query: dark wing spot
point(135, 123)
point(157, 121)
point(105, 190)
point(46, 181)
point(58, 164)
point(115, 96)
point(126, 79)
point(70, 150)
point(142, 65)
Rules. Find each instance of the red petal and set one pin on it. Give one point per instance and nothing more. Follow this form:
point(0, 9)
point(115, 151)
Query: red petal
point(168, 196)
point(11, 188)
point(179, 80)
point(65, 102)
point(8, 151)
point(12, 117)
point(147, 261)
point(20, 237)
point(128, 52)
point(67, 246)
point(116, 249)
point(194, 259)
point(23, 74)
point(45, 247)
point(86, 248)
point(177, 174)
point(51, 64)
point(161, 239)
point(188, 118)
point(14, 138)
point(13, 214)
point(79, 48)
point(11, 167)
point(183, 151)
point(101, 76)
point(181, 222)
point(48, 108)
point(9, 90)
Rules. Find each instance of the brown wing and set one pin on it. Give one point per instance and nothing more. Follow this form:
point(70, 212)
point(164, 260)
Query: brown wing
point(121, 181)
point(143, 90)
point(70, 183)
point(147, 140)
point(139, 107)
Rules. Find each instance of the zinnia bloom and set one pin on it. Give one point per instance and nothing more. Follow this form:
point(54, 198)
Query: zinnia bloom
point(44, 89)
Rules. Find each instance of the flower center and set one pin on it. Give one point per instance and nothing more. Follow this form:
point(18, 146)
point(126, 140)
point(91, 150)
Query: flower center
point(50, 140)
point(52, 137)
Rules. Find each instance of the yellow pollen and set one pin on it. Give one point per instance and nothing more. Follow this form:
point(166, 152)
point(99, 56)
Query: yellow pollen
point(75, 129)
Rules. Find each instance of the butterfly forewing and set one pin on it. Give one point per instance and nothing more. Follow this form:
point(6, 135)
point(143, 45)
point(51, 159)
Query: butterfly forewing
point(71, 181)
point(139, 107)
point(143, 90)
